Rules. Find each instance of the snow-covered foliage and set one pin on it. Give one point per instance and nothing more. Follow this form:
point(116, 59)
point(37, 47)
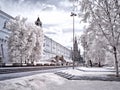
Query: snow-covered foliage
point(104, 19)
point(93, 48)
point(25, 42)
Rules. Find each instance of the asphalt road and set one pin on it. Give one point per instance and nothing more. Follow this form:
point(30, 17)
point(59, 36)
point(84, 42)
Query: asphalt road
point(22, 74)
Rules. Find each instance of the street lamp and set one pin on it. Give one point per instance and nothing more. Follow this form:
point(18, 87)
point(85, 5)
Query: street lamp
point(72, 15)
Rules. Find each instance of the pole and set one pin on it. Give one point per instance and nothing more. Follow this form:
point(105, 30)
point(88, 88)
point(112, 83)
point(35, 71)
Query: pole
point(73, 43)
point(73, 14)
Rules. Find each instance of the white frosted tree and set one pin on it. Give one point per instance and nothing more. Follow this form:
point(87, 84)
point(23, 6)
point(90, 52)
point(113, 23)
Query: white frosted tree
point(104, 20)
point(25, 41)
point(35, 43)
point(93, 48)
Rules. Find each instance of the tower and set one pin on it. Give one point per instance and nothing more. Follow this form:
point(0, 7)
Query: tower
point(38, 22)
point(75, 45)
point(77, 56)
point(75, 50)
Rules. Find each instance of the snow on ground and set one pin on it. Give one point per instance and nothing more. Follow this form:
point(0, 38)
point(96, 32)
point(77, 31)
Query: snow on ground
point(85, 71)
point(97, 69)
point(51, 81)
point(34, 82)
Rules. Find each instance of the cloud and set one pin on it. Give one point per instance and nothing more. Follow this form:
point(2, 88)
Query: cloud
point(49, 33)
point(48, 7)
point(70, 30)
point(35, 4)
point(50, 25)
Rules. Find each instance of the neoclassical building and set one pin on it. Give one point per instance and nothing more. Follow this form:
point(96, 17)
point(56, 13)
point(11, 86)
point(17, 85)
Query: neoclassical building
point(51, 47)
point(4, 34)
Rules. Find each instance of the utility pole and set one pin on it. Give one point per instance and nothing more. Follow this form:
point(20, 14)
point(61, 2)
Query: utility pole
point(73, 15)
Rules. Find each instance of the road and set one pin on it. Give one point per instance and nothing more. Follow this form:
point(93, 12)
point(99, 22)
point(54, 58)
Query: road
point(28, 73)
point(6, 70)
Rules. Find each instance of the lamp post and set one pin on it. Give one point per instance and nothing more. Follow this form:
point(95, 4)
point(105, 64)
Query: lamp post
point(73, 14)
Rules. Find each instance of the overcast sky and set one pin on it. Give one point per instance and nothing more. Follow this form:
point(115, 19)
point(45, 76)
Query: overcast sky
point(54, 14)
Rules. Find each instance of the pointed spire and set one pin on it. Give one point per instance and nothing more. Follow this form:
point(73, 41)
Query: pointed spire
point(38, 22)
point(75, 45)
point(75, 39)
point(38, 19)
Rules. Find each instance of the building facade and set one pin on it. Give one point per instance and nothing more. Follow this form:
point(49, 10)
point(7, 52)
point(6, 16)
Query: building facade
point(4, 34)
point(51, 47)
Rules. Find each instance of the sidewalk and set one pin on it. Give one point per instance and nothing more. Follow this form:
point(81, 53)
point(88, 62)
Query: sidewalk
point(83, 73)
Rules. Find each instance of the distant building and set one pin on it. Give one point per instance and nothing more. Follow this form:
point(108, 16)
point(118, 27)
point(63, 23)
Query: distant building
point(77, 57)
point(51, 47)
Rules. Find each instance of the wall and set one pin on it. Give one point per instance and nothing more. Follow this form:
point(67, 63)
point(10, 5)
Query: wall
point(4, 34)
point(52, 48)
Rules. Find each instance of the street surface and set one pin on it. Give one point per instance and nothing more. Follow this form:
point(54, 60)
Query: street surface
point(22, 74)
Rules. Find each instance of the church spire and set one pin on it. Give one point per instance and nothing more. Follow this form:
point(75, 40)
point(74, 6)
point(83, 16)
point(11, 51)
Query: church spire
point(38, 22)
point(75, 45)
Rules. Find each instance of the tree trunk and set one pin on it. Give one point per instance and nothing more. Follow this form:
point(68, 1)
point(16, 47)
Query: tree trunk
point(99, 64)
point(73, 64)
point(21, 61)
point(90, 63)
point(116, 62)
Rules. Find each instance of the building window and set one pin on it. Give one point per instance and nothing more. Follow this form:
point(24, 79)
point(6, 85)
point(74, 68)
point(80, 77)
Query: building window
point(47, 45)
point(2, 40)
point(43, 44)
point(53, 47)
point(2, 52)
point(5, 41)
point(5, 24)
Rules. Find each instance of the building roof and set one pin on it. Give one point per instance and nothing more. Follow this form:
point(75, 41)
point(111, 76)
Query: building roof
point(2, 12)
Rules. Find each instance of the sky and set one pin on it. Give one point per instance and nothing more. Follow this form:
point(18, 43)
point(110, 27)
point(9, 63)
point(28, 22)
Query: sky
point(54, 14)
